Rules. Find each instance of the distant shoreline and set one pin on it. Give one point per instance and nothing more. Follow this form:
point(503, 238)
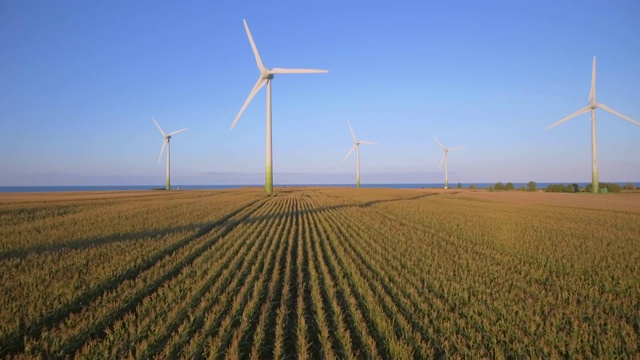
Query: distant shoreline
point(77, 188)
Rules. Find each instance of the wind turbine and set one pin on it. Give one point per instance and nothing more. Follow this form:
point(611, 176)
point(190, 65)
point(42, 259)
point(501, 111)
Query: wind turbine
point(593, 104)
point(445, 157)
point(266, 75)
point(356, 146)
point(167, 143)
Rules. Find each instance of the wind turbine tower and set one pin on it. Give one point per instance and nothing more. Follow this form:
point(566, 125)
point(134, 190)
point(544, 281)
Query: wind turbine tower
point(167, 143)
point(593, 104)
point(266, 75)
point(356, 146)
point(445, 158)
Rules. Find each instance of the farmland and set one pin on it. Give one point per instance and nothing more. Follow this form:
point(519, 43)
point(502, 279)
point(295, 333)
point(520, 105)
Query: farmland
point(319, 273)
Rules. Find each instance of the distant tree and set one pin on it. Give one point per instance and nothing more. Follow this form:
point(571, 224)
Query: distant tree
point(459, 185)
point(629, 186)
point(490, 188)
point(532, 186)
point(509, 186)
point(615, 188)
point(559, 188)
point(472, 186)
point(523, 188)
point(563, 188)
point(499, 186)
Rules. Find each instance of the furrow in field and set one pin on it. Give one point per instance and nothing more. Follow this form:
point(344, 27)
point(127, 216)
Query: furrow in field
point(327, 332)
point(114, 303)
point(449, 300)
point(40, 285)
point(366, 339)
point(270, 329)
point(305, 345)
point(292, 342)
point(402, 329)
point(482, 274)
point(484, 318)
point(400, 340)
point(181, 325)
point(280, 316)
point(258, 334)
point(317, 332)
point(49, 229)
point(472, 329)
point(223, 317)
point(59, 277)
point(239, 337)
point(352, 219)
point(139, 326)
point(475, 252)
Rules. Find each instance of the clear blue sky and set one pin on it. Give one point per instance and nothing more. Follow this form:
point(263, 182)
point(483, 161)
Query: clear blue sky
point(80, 80)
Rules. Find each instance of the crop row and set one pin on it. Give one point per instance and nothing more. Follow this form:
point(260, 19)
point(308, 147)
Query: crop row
point(328, 273)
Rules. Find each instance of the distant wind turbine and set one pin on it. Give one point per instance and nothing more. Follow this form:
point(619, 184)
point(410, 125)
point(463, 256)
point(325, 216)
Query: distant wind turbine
point(356, 146)
point(593, 104)
point(266, 75)
point(445, 158)
point(167, 143)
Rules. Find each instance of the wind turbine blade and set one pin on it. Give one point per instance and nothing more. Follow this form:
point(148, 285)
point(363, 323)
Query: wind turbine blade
point(441, 162)
point(254, 91)
point(592, 94)
point(579, 112)
point(368, 142)
point(177, 131)
point(439, 143)
point(159, 128)
point(164, 143)
point(457, 148)
point(277, 71)
point(350, 151)
point(253, 46)
point(352, 133)
point(608, 109)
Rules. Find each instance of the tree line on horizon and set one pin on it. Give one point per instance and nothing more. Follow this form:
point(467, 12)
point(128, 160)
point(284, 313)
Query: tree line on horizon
point(567, 188)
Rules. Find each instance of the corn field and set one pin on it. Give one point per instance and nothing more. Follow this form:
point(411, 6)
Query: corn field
point(317, 273)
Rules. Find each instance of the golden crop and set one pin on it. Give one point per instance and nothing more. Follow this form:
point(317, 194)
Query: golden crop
point(320, 273)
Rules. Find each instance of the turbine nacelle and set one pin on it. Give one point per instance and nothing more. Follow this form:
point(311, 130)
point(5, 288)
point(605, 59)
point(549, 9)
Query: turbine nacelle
point(165, 144)
point(266, 74)
point(593, 104)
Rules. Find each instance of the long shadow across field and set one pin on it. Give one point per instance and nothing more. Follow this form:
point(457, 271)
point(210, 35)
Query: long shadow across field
point(84, 243)
point(13, 343)
point(331, 207)
point(81, 243)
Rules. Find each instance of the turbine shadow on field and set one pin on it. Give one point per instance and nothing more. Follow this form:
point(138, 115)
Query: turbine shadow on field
point(81, 244)
point(365, 204)
point(12, 343)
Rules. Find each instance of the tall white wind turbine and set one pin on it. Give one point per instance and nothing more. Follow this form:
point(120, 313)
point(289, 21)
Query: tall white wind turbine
point(593, 104)
point(445, 158)
point(356, 146)
point(167, 143)
point(266, 75)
